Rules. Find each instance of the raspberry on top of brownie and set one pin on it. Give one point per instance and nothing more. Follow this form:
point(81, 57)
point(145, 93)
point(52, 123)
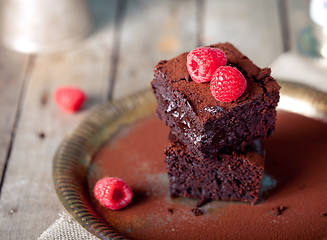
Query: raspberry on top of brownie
point(205, 124)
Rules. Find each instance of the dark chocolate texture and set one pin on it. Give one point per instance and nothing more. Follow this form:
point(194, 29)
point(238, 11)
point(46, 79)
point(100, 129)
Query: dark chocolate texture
point(205, 125)
point(232, 176)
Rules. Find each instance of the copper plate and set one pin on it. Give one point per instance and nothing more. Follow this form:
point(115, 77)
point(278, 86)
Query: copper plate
point(73, 157)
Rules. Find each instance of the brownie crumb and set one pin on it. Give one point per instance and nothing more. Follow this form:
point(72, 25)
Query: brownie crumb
point(323, 214)
point(278, 210)
point(44, 99)
point(170, 210)
point(41, 135)
point(197, 212)
point(201, 202)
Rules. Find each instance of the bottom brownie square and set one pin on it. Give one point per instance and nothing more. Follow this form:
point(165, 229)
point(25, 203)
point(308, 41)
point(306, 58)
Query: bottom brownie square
point(230, 176)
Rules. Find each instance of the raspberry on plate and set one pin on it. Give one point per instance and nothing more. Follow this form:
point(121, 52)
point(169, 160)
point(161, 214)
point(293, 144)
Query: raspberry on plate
point(69, 99)
point(203, 62)
point(227, 84)
point(113, 193)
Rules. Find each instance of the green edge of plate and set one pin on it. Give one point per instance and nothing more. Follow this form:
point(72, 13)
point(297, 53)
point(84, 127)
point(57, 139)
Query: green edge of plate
point(76, 150)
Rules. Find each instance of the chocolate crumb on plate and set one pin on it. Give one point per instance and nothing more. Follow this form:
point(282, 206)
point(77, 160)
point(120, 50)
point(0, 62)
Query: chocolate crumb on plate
point(170, 210)
point(278, 210)
point(197, 212)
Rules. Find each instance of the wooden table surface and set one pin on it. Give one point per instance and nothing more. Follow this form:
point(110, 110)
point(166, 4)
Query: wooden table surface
point(117, 59)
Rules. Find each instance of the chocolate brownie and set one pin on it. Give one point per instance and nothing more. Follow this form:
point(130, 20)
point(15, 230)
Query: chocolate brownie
point(205, 125)
point(228, 176)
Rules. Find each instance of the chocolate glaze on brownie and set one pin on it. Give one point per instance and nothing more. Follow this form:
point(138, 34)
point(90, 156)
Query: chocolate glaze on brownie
point(206, 125)
point(233, 176)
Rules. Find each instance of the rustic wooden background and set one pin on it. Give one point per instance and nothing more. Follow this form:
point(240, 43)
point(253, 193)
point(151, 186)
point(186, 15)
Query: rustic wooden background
point(117, 59)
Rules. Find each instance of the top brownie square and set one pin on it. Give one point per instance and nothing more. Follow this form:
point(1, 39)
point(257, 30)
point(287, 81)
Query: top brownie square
point(205, 125)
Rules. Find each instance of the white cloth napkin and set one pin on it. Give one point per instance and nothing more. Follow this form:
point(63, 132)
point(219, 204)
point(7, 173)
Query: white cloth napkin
point(289, 66)
point(66, 228)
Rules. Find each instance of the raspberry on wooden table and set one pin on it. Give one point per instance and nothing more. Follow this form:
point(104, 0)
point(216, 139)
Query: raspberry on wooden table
point(69, 99)
point(203, 62)
point(113, 193)
point(227, 84)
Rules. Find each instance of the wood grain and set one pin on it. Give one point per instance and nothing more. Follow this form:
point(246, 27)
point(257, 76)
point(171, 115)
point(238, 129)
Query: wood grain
point(252, 26)
point(12, 70)
point(152, 31)
point(129, 38)
point(29, 204)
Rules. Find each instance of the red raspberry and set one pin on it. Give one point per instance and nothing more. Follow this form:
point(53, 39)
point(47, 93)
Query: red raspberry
point(227, 84)
point(113, 193)
point(69, 99)
point(203, 62)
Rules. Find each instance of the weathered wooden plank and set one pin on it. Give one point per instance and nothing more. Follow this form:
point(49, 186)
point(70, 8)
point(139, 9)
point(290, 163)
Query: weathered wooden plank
point(152, 31)
point(12, 70)
point(29, 204)
point(252, 26)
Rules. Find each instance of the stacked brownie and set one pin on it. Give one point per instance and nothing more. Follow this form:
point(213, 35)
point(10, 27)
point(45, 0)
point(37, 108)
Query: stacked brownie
point(215, 150)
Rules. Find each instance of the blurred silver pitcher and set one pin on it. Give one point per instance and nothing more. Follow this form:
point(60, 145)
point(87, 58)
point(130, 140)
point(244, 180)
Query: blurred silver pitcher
point(34, 26)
